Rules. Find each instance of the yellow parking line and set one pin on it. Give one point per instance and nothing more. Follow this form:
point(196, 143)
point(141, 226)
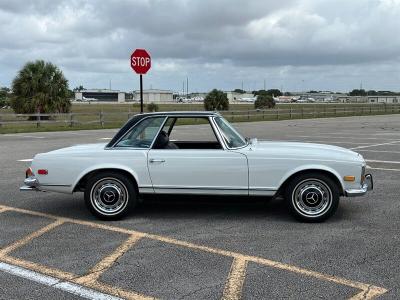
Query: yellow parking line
point(38, 268)
point(106, 263)
point(118, 292)
point(234, 281)
point(274, 264)
point(30, 237)
point(370, 293)
point(236, 277)
point(325, 277)
point(3, 209)
point(106, 288)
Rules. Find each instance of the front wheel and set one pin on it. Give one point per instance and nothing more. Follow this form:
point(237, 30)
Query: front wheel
point(110, 195)
point(312, 197)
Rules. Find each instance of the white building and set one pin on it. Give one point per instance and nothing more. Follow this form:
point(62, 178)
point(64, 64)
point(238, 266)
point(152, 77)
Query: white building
point(383, 99)
point(370, 99)
point(234, 97)
point(154, 95)
point(101, 95)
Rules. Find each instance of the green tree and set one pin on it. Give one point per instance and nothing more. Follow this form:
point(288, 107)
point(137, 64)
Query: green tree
point(271, 92)
point(79, 88)
point(240, 91)
point(274, 92)
point(40, 87)
point(216, 100)
point(358, 92)
point(4, 101)
point(264, 101)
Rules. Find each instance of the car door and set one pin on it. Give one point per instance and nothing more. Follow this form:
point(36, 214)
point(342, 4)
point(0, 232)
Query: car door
point(196, 169)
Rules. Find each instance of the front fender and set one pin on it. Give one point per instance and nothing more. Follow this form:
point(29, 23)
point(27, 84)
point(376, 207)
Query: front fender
point(313, 167)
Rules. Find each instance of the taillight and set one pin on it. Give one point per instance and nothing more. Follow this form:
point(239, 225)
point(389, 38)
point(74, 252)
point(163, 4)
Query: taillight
point(28, 173)
point(42, 172)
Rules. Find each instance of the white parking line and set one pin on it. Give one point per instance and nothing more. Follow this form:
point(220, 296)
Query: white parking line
point(33, 136)
point(385, 169)
point(105, 138)
point(339, 137)
point(379, 151)
point(323, 142)
point(375, 145)
point(359, 134)
point(27, 159)
point(55, 283)
point(25, 136)
point(383, 161)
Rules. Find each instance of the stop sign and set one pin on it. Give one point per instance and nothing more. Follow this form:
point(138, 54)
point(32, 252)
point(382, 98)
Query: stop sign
point(140, 61)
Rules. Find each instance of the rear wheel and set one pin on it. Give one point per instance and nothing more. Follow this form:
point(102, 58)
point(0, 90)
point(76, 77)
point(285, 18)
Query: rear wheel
point(110, 195)
point(312, 197)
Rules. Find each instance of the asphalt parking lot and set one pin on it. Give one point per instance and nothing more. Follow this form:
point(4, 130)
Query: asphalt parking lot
point(51, 247)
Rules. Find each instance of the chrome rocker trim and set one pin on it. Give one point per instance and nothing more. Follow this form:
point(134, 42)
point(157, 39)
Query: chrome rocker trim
point(368, 185)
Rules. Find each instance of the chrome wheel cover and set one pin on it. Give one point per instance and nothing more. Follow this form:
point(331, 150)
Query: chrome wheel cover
point(312, 198)
point(109, 196)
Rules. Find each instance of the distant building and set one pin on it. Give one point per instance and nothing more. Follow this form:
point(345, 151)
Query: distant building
point(154, 95)
point(101, 95)
point(234, 96)
point(383, 99)
point(369, 99)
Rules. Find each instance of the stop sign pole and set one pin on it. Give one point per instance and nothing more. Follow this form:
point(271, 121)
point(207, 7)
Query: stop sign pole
point(140, 63)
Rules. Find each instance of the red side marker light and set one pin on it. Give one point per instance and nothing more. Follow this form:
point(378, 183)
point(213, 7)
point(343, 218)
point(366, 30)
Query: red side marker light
point(42, 172)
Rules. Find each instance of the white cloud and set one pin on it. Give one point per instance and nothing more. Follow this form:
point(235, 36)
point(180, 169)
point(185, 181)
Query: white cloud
point(331, 44)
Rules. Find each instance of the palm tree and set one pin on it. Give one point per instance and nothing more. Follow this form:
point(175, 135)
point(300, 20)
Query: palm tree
point(40, 87)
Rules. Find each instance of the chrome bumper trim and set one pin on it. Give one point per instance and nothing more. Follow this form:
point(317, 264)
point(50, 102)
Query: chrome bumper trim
point(367, 186)
point(31, 181)
point(31, 184)
point(26, 188)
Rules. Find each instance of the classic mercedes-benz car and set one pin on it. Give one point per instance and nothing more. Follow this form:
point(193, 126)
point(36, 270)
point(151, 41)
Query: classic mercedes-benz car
point(161, 153)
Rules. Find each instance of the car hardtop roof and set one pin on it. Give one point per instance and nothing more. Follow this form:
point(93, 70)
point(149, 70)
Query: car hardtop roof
point(137, 118)
point(182, 113)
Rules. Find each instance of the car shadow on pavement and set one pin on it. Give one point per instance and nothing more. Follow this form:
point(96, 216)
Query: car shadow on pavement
point(177, 207)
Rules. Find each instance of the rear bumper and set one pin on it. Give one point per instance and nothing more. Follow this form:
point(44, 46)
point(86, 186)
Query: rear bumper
point(30, 184)
point(366, 186)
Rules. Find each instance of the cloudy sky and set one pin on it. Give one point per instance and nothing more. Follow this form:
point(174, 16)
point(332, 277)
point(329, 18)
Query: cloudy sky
point(291, 44)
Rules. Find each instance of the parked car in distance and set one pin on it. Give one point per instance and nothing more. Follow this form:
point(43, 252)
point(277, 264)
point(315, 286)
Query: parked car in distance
point(152, 154)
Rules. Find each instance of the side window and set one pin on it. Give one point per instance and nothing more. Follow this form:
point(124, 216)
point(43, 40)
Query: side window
point(190, 133)
point(143, 134)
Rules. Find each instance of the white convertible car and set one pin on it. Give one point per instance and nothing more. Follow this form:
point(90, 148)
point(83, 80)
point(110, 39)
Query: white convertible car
point(156, 153)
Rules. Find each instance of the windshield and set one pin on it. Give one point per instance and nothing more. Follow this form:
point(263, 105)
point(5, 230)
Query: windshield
point(231, 137)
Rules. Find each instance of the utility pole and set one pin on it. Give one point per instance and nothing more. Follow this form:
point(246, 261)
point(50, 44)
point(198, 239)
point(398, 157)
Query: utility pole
point(264, 85)
point(242, 86)
point(187, 87)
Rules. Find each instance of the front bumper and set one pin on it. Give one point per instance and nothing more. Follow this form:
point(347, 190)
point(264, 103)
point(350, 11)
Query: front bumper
point(31, 184)
point(366, 186)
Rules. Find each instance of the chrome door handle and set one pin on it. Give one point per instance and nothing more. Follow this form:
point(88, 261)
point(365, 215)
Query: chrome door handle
point(152, 160)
